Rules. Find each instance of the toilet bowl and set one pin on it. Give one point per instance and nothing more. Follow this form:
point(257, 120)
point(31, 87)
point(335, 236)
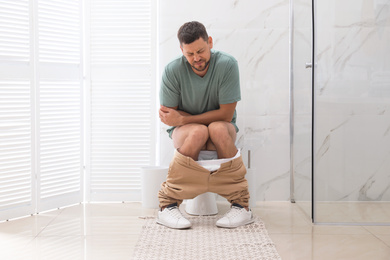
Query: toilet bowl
point(202, 205)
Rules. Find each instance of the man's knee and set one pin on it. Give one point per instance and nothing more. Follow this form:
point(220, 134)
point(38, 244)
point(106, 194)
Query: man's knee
point(221, 130)
point(199, 134)
point(194, 134)
point(190, 133)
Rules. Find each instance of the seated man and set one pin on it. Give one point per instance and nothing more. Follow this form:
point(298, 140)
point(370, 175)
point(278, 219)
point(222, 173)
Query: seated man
point(198, 96)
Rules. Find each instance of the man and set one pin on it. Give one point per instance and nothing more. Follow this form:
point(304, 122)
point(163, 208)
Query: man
point(198, 96)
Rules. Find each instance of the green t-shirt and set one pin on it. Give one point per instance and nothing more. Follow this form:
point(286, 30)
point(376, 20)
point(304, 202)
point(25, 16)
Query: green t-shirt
point(181, 87)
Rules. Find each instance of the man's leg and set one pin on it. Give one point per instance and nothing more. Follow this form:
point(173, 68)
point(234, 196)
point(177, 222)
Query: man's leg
point(229, 182)
point(190, 139)
point(223, 138)
point(186, 179)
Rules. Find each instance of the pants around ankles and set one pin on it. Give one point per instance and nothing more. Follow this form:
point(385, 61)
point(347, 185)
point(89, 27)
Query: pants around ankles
point(187, 179)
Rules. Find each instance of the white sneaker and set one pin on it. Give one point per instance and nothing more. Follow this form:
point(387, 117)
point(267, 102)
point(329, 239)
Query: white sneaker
point(171, 217)
point(236, 217)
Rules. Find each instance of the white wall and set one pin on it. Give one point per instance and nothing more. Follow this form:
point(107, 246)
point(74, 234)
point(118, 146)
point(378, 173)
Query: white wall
point(352, 91)
point(353, 101)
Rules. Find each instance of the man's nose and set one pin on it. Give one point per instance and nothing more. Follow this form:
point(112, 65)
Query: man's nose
point(196, 57)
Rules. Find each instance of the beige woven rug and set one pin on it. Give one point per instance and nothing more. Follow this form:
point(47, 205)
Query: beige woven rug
point(204, 241)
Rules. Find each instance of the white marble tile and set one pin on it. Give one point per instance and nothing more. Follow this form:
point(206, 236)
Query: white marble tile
point(325, 247)
point(332, 212)
point(13, 245)
point(352, 103)
point(98, 219)
point(385, 239)
point(351, 170)
point(27, 226)
point(110, 246)
point(267, 138)
point(113, 234)
point(55, 247)
point(226, 14)
point(284, 218)
point(302, 157)
point(378, 230)
point(353, 212)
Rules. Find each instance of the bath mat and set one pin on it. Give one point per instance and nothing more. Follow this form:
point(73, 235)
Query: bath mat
point(204, 241)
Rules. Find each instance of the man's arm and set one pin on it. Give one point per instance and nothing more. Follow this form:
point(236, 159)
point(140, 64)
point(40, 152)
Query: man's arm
point(174, 117)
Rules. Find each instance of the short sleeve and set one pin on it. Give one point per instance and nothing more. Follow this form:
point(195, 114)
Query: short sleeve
point(230, 88)
point(169, 89)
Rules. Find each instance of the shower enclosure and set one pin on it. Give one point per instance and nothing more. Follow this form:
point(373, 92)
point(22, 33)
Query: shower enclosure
point(340, 92)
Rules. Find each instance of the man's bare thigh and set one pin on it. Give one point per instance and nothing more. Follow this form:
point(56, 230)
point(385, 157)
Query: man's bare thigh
point(180, 133)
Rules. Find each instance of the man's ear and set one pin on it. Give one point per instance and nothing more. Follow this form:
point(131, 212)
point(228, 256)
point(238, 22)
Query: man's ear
point(210, 42)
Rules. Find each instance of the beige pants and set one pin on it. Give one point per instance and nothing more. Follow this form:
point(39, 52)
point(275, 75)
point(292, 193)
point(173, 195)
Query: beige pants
point(187, 179)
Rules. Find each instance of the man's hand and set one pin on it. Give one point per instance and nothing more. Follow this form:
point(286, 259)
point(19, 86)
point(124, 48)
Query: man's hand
point(170, 116)
point(173, 117)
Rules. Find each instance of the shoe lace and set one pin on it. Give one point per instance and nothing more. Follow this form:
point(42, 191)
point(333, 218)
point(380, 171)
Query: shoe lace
point(233, 212)
point(175, 212)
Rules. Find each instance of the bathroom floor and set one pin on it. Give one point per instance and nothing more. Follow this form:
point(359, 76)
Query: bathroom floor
point(110, 231)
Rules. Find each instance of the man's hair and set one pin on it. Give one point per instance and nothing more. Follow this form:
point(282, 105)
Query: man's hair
point(191, 31)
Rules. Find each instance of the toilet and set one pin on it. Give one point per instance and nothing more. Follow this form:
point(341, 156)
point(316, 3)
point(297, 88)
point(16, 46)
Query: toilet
point(206, 204)
point(202, 205)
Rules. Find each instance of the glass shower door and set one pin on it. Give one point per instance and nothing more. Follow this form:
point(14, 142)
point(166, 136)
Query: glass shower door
point(301, 100)
point(352, 112)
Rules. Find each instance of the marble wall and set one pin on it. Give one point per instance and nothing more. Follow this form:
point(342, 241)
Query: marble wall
point(353, 101)
point(256, 33)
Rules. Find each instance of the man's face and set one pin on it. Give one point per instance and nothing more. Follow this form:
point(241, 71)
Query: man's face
point(198, 55)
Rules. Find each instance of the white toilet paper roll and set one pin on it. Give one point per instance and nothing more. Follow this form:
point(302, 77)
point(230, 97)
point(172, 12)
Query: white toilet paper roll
point(151, 179)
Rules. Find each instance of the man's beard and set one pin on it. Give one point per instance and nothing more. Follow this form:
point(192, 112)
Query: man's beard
point(204, 68)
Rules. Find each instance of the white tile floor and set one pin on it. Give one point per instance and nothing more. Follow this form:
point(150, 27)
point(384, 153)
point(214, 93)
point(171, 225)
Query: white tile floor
point(110, 231)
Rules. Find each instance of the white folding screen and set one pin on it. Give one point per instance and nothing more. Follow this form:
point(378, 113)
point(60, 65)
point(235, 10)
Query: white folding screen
point(59, 102)
point(121, 103)
point(17, 190)
point(41, 101)
point(40, 105)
